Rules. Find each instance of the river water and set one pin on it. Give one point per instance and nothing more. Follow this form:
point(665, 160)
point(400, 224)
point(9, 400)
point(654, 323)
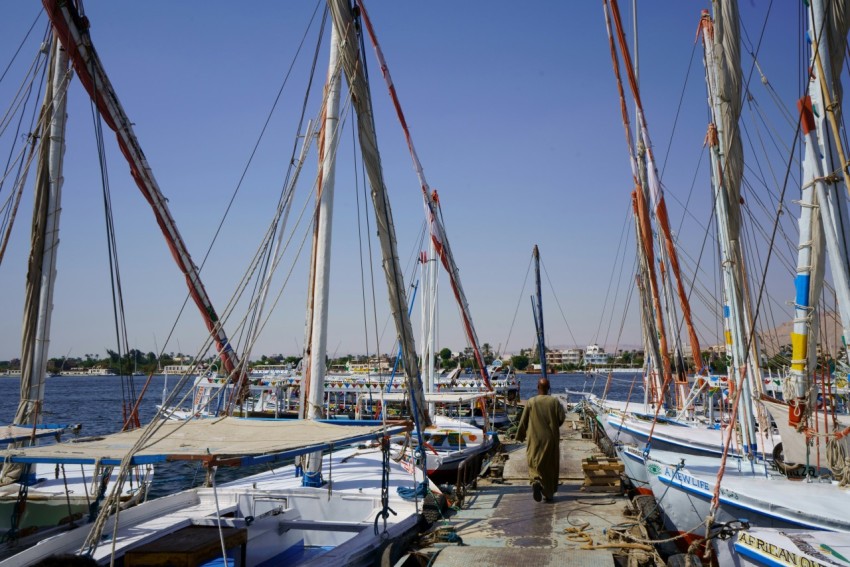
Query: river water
point(95, 402)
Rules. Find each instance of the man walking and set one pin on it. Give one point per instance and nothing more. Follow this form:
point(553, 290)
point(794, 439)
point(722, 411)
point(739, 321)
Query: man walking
point(541, 422)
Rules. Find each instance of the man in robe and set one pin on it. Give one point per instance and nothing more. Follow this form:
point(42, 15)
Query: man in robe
point(540, 424)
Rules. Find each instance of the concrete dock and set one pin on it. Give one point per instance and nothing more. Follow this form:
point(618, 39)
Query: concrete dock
point(499, 523)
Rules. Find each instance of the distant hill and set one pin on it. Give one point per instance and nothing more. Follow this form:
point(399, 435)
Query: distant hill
point(830, 335)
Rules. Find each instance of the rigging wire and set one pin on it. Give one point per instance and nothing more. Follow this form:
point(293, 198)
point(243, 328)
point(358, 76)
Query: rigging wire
point(253, 154)
point(128, 390)
point(624, 245)
point(22, 43)
point(678, 111)
point(620, 248)
point(23, 160)
point(519, 302)
point(558, 303)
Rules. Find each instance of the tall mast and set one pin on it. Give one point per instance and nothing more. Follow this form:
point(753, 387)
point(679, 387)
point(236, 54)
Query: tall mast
point(829, 41)
point(537, 308)
point(317, 350)
point(73, 33)
point(361, 99)
point(724, 168)
point(41, 273)
point(655, 190)
point(823, 219)
point(643, 231)
point(430, 272)
point(432, 210)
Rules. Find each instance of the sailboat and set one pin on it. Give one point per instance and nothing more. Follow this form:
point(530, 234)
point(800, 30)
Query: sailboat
point(453, 449)
point(699, 493)
point(334, 506)
point(36, 498)
point(666, 384)
point(641, 431)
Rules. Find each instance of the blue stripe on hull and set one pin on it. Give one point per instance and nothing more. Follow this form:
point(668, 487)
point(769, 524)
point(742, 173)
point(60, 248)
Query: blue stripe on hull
point(729, 506)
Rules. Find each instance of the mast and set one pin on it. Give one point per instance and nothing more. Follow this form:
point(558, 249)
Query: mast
point(41, 270)
point(822, 208)
point(72, 31)
point(433, 212)
point(349, 47)
point(645, 278)
point(320, 284)
point(722, 69)
point(644, 235)
point(828, 34)
point(41, 273)
point(537, 309)
point(656, 192)
point(430, 272)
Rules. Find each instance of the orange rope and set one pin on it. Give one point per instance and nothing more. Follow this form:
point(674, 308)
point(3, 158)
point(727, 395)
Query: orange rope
point(661, 206)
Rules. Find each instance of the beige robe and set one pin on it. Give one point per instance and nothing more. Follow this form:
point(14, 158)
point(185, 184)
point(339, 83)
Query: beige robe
point(541, 422)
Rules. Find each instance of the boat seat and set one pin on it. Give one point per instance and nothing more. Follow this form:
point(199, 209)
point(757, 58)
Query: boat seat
point(189, 547)
point(299, 524)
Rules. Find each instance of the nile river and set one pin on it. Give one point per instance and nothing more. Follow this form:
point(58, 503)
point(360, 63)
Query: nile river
point(95, 402)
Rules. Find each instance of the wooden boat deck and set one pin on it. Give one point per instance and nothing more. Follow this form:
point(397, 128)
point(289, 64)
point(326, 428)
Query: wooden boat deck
point(500, 523)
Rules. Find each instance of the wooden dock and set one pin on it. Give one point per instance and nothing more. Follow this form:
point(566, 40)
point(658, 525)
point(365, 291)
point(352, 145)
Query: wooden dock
point(499, 523)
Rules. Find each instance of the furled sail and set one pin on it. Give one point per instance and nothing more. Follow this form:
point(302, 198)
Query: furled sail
point(351, 62)
point(432, 212)
point(41, 270)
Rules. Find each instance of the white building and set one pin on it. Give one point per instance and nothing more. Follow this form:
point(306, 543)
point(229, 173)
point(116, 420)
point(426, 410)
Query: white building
point(595, 355)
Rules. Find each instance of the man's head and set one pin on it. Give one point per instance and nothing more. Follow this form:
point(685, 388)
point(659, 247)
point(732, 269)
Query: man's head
point(543, 386)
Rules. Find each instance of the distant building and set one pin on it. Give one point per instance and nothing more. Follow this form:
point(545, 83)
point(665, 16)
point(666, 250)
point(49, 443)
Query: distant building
point(374, 365)
point(595, 355)
point(178, 369)
point(563, 357)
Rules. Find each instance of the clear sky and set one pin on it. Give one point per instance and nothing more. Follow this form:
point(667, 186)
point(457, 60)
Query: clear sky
point(513, 109)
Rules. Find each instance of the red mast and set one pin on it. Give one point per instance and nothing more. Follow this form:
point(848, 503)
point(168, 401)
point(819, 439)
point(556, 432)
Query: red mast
point(72, 30)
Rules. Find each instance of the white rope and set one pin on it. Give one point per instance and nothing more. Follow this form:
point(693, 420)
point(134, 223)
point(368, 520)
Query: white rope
point(214, 469)
point(838, 460)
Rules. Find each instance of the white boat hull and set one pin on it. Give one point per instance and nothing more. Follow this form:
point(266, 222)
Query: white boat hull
point(285, 522)
point(58, 499)
point(772, 547)
point(684, 493)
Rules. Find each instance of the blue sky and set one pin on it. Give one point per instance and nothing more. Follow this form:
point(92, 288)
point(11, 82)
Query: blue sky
point(515, 116)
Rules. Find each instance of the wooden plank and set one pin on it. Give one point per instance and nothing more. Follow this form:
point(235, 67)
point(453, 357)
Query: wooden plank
point(601, 481)
point(598, 467)
point(611, 489)
point(603, 472)
point(613, 475)
point(188, 547)
point(619, 467)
